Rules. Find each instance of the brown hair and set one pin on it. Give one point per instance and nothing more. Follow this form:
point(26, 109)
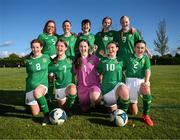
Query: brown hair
point(78, 61)
point(46, 24)
point(34, 41)
point(85, 21)
point(55, 59)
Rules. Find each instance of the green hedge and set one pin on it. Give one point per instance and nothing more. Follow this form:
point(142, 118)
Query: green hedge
point(165, 61)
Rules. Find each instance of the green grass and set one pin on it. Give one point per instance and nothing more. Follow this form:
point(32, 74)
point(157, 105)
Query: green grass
point(16, 123)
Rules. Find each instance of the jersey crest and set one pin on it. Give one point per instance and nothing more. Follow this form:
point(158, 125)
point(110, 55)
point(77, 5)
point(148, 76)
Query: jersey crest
point(44, 60)
point(91, 61)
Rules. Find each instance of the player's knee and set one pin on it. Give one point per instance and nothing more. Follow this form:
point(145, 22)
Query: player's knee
point(123, 92)
point(134, 112)
point(37, 94)
point(72, 90)
point(35, 112)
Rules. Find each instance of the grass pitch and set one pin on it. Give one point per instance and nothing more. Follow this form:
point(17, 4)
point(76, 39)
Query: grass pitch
point(17, 123)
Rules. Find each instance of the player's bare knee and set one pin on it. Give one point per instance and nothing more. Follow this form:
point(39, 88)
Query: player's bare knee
point(72, 90)
point(37, 94)
point(133, 112)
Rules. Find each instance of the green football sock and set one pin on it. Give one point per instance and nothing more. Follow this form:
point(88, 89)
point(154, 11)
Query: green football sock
point(43, 104)
point(147, 101)
point(70, 101)
point(123, 104)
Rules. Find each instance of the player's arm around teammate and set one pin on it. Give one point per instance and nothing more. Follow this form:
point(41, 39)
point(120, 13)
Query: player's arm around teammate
point(138, 75)
point(62, 69)
point(126, 38)
point(37, 80)
point(85, 65)
point(115, 92)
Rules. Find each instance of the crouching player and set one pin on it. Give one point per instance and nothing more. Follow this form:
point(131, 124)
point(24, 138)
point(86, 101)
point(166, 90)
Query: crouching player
point(115, 92)
point(138, 74)
point(62, 69)
point(37, 80)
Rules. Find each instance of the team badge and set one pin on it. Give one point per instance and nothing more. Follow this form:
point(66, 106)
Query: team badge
point(130, 35)
point(143, 61)
point(44, 60)
point(69, 61)
point(91, 62)
point(90, 37)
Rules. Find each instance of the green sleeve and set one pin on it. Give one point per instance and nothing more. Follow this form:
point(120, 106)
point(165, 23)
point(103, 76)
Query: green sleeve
point(148, 62)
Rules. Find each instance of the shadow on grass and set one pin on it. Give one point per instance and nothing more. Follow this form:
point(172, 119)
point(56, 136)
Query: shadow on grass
point(101, 121)
point(107, 122)
point(12, 104)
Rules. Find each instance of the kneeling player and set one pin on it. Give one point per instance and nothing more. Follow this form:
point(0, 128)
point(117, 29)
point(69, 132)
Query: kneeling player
point(37, 80)
point(114, 91)
point(138, 74)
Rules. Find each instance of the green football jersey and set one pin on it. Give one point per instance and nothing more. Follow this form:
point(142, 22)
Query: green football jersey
point(90, 37)
point(71, 41)
point(111, 70)
point(49, 42)
point(63, 72)
point(37, 72)
point(136, 67)
point(126, 43)
point(102, 39)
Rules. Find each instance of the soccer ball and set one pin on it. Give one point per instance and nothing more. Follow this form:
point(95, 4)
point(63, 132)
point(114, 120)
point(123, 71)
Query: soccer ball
point(57, 116)
point(120, 118)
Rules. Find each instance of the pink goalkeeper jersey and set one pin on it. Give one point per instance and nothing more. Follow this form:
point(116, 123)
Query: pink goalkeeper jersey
point(87, 74)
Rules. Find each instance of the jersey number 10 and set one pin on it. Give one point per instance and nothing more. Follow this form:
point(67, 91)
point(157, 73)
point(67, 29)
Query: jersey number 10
point(110, 67)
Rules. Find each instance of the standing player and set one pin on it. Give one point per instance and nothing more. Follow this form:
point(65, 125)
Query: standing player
point(86, 26)
point(69, 37)
point(61, 67)
point(126, 38)
point(88, 80)
point(113, 89)
point(104, 37)
point(37, 80)
point(49, 38)
point(138, 74)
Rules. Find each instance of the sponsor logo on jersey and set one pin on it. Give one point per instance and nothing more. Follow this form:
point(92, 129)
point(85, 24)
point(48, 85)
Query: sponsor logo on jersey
point(123, 39)
point(105, 38)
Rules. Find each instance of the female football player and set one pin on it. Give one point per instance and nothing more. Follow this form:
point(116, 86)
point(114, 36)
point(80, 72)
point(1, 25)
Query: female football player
point(85, 34)
point(138, 75)
point(88, 80)
point(115, 92)
point(49, 38)
point(61, 67)
point(104, 37)
point(126, 38)
point(37, 80)
point(69, 37)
